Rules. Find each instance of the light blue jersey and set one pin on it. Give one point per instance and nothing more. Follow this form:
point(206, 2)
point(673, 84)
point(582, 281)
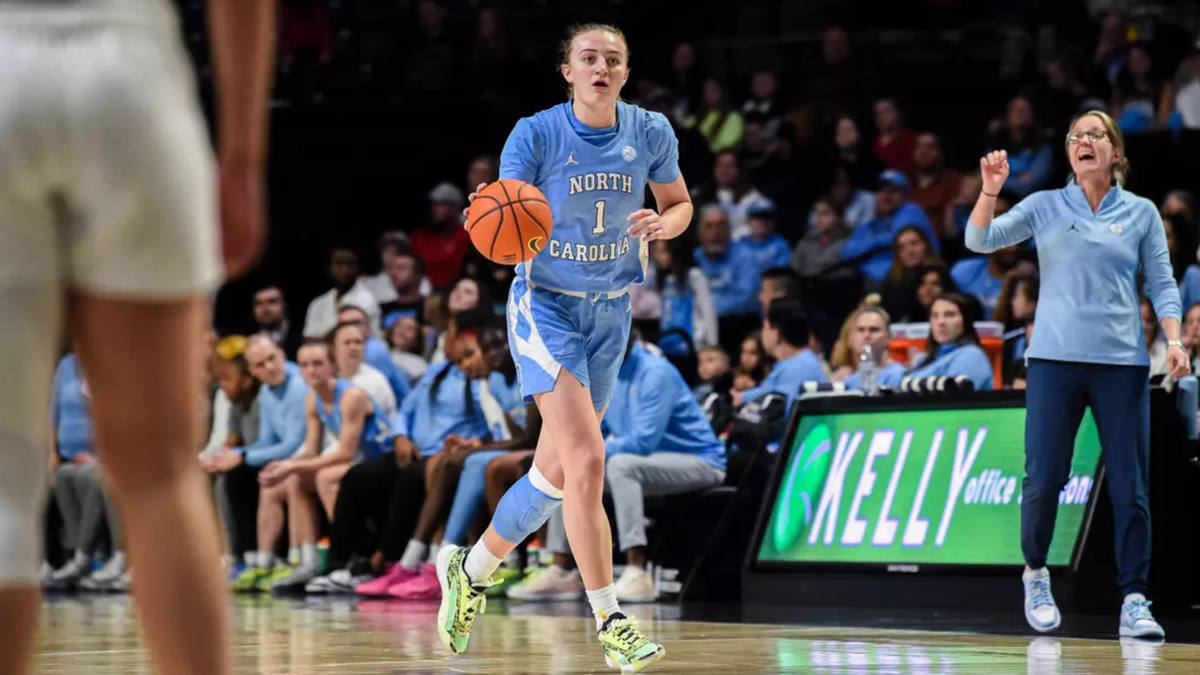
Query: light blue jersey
point(568, 307)
point(376, 434)
point(593, 179)
point(1088, 307)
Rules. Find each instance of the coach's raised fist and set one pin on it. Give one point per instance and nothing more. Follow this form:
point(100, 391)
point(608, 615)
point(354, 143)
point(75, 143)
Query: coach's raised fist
point(993, 169)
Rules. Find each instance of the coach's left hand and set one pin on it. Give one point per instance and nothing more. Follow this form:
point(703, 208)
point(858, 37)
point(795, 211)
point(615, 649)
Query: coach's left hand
point(1177, 361)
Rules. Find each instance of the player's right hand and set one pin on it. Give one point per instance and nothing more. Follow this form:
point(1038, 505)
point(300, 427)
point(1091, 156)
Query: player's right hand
point(993, 170)
point(471, 197)
point(243, 213)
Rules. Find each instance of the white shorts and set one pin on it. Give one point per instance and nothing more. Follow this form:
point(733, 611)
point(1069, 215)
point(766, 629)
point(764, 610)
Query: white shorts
point(107, 186)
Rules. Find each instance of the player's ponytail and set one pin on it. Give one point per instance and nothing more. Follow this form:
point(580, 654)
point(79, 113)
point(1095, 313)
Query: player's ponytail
point(564, 47)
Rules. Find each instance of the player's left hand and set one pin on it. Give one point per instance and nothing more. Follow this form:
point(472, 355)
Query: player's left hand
point(646, 224)
point(1177, 361)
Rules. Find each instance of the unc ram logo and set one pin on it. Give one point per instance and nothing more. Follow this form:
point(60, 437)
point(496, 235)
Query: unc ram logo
point(629, 153)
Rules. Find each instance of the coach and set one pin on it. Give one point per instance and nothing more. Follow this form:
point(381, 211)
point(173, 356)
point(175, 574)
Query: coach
point(1087, 349)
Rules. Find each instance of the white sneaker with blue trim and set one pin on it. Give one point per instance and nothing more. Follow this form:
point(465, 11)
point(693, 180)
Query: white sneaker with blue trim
point(1040, 610)
point(1136, 619)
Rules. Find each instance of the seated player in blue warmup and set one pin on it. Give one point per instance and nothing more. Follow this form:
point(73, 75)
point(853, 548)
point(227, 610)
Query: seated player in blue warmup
point(953, 347)
point(362, 431)
point(569, 320)
point(659, 443)
point(785, 336)
point(871, 326)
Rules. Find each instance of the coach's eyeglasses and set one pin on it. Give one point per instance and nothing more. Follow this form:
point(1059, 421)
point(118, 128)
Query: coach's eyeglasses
point(1090, 136)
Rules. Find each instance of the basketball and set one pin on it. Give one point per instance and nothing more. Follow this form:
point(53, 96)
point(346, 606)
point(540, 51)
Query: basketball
point(509, 221)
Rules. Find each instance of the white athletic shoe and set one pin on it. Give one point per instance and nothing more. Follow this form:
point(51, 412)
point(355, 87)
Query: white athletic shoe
point(551, 584)
point(1136, 619)
point(1040, 610)
point(635, 585)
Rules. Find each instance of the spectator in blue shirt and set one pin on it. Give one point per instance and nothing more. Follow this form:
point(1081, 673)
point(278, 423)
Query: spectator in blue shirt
point(893, 211)
point(658, 443)
point(953, 347)
point(729, 266)
point(786, 336)
point(766, 246)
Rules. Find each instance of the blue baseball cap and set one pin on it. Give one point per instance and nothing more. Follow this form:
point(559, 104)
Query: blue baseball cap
point(393, 317)
point(893, 178)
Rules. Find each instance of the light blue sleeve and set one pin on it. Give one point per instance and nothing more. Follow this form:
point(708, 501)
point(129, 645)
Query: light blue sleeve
point(522, 155)
point(1156, 266)
point(961, 279)
point(783, 255)
point(663, 148)
point(403, 420)
point(651, 415)
point(1005, 230)
point(288, 426)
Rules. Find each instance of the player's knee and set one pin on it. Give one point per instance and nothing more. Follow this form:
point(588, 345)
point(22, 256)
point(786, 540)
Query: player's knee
point(585, 474)
point(524, 509)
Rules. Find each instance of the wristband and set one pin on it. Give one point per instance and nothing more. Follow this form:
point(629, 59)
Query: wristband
point(990, 194)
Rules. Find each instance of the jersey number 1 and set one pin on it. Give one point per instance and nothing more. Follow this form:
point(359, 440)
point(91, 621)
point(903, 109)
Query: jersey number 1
point(599, 228)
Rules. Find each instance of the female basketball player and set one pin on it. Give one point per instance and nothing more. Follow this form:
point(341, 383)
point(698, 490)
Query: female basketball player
point(110, 218)
point(569, 321)
point(1093, 240)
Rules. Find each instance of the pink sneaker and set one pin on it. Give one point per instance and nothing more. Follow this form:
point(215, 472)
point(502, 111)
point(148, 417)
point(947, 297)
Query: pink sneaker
point(424, 586)
point(378, 588)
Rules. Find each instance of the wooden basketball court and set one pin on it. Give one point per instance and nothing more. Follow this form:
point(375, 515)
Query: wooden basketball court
point(98, 636)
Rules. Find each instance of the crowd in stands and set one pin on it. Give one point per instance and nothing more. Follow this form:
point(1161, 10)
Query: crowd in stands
point(389, 422)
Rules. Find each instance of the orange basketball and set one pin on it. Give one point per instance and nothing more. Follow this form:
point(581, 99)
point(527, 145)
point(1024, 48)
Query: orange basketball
point(510, 221)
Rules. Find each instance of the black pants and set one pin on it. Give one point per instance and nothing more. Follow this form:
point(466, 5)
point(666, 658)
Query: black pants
point(377, 508)
point(241, 488)
point(1119, 396)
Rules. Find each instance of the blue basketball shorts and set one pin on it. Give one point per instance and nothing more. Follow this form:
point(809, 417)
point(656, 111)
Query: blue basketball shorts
point(549, 331)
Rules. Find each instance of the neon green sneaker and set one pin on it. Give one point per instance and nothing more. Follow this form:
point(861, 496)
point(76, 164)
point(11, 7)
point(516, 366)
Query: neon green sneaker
point(625, 647)
point(266, 580)
point(503, 579)
point(461, 601)
point(247, 581)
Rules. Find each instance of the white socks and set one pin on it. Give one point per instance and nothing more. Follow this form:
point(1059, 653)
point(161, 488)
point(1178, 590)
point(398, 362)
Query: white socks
point(433, 553)
point(481, 564)
point(309, 555)
point(414, 554)
point(604, 604)
point(263, 559)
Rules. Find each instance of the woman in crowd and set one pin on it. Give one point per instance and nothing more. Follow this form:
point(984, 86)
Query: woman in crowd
point(753, 363)
point(926, 284)
point(467, 295)
point(347, 343)
point(821, 247)
point(953, 347)
point(1156, 345)
point(405, 334)
point(687, 302)
point(1088, 349)
point(912, 251)
point(1029, 154)
point(721, 126)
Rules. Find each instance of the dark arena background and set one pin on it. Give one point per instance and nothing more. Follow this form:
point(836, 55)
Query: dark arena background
point(855, 529)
